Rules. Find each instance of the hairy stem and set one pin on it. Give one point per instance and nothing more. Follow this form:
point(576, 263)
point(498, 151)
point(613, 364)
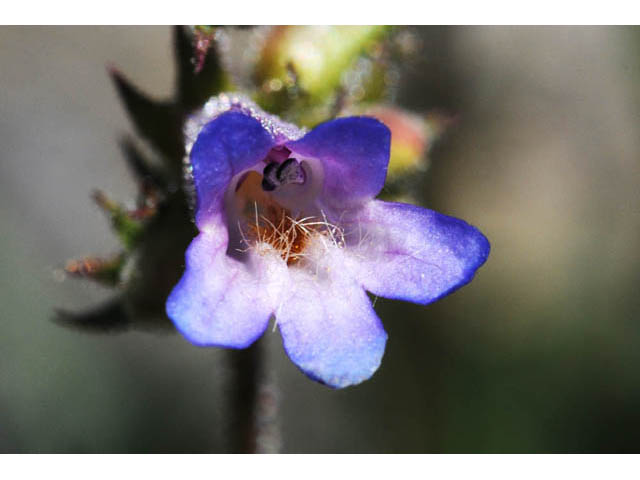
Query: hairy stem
point(255, 399)
point(244, 395)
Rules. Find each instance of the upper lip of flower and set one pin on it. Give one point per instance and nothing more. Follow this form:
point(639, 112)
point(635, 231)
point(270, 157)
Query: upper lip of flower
point(289, 227)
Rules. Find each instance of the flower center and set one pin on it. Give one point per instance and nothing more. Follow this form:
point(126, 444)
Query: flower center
point(272, 210)
point(263, 221)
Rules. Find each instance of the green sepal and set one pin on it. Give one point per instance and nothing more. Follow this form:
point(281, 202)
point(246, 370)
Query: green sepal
point(126, 227)
point(160, 123)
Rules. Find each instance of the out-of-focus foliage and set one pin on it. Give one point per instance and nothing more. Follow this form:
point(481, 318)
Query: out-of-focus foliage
point(301, 71)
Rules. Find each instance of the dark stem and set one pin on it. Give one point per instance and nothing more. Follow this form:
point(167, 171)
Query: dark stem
point(255, 426)
point(244, 397)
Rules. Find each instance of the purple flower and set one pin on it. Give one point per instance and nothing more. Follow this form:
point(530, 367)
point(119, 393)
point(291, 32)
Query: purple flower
point(289, 227)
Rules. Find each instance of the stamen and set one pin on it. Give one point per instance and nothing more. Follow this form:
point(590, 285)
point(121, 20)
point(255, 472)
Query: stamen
point(269, 177)
point(290, 171)
point(289, 236)
point(275, 174)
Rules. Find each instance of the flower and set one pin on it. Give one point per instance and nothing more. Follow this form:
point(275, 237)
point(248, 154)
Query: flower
point(289, 227)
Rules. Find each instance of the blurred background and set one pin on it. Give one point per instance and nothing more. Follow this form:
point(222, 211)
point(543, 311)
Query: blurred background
point(540, 353)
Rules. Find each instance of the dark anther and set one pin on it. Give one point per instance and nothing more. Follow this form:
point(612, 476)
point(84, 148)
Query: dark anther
point(289, 171)
point(269, 177)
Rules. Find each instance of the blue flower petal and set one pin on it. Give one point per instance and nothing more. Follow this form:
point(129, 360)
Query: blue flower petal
point(232, 142)
point(220, 301)
point(411, 253)
point(354, 152)
point(329, 328)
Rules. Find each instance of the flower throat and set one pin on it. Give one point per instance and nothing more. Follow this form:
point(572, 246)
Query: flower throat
point(266, 222)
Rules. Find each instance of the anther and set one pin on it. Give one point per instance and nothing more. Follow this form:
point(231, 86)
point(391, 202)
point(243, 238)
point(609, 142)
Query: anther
point(275, 175)
point(290, 171)
point(269, 177)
